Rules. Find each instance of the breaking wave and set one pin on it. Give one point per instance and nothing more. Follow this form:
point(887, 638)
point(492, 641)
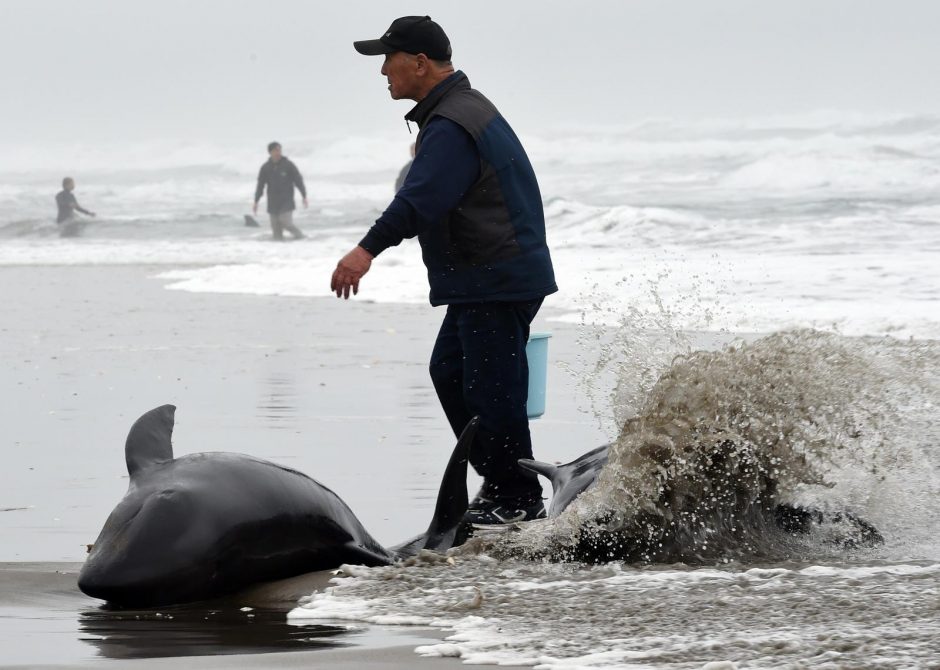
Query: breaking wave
point(827, 221)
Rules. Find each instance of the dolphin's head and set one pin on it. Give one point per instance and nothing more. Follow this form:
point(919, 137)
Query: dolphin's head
point(138, 554)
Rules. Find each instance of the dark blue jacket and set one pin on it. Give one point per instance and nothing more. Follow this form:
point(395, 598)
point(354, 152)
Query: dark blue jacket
point(472, 199)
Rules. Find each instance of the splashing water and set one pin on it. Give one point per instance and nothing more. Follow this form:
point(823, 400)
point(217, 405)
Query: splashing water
point(724, 437)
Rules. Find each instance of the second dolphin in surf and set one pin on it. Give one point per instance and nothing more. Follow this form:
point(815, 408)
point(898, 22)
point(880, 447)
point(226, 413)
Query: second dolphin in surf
point(662, 536)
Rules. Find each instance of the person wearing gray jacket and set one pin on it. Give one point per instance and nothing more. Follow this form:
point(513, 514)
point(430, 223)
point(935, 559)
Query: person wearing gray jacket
point(405, 170)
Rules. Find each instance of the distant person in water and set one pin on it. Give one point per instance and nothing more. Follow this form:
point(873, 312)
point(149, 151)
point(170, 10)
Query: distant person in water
point(280, 176)
point(404, 171)
point(67, 204)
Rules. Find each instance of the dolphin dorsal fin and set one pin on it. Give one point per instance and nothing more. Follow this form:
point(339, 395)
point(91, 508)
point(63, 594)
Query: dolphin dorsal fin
point(447, 528)
point(149, 440)
point(547, 470)
point(452, 499)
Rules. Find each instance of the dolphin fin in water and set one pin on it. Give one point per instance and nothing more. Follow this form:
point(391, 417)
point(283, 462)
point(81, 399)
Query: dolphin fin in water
point(569, 480)
point(447, 528)
point(150, 439)
point(547, 470)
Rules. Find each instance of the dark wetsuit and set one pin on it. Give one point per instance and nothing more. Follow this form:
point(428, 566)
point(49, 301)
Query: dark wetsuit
point(68, 205)
point(280, 178)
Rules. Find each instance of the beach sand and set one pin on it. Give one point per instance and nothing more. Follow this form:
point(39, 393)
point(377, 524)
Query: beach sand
point(337, 390)
point(48, 623)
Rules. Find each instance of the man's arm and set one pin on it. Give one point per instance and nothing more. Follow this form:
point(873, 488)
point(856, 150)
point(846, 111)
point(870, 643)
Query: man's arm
point(79, 208)
point(75, 207)
point(443, 171)
point(299, 182)
point(259, 189)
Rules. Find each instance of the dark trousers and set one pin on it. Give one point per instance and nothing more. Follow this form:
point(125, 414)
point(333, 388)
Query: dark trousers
point(479, 367)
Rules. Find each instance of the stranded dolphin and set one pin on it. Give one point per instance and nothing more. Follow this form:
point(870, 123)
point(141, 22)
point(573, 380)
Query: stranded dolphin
point(572, 479)
point(205, 525)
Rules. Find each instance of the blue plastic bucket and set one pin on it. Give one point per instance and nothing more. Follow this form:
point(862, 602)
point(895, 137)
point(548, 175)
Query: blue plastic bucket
point(536, 351)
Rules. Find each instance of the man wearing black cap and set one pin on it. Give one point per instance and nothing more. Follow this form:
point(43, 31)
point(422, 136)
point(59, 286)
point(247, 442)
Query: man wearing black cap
point(472, 200)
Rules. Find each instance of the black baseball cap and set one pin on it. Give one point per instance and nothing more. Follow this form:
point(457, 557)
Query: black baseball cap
point(411, 34)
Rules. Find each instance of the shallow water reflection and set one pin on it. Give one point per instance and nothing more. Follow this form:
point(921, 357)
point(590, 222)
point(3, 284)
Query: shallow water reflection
point(277, 406)
point(172, 632)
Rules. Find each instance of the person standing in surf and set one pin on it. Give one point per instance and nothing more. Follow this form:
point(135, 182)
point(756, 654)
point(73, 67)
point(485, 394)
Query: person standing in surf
point(280, 176)
point(400, 181)
point(472, 199)
point(67, 204)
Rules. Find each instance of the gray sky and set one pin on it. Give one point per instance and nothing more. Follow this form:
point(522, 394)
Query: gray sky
point(109, 69)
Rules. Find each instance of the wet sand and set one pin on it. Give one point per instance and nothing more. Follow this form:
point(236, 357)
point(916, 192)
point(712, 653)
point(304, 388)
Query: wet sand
point(49, 623)
point(337, 390)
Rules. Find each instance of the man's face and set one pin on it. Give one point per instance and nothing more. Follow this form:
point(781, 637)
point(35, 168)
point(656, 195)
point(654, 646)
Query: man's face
point(401, 71)
point(275, 154)
point(70, 185)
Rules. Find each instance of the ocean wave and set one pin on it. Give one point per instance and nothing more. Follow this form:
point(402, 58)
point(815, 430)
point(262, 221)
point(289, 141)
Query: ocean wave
point(872, 170)
point(827, 221)
point(730, 141)
point(650, 263)
point(557, 617)
point(315, 155)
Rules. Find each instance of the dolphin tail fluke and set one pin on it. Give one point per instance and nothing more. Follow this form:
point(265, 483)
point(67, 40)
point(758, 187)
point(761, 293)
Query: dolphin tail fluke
point(547, 470)
point(150, 439)
point(447, 526)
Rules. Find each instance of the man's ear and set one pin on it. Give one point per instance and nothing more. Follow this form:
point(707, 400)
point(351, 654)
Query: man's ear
point(422, 66)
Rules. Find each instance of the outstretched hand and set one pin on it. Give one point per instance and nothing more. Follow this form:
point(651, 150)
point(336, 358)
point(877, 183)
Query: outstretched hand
point(349, 271)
